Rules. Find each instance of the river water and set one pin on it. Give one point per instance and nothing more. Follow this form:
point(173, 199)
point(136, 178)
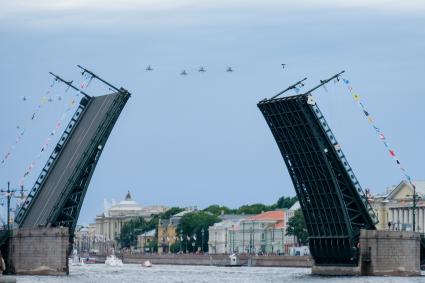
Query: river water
point(132, 273)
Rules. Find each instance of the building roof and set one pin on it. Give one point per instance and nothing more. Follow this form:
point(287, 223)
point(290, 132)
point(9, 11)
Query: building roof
point(150, 233)
point(269, 215)
point(128, 204)
point(295, 206)
point(420, 188)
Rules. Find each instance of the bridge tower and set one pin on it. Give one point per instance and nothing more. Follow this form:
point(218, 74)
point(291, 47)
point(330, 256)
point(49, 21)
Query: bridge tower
point(333, 203)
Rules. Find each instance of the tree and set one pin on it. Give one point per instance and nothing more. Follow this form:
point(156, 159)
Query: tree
point(217, 209)
point(139, 225)
point(255, 208)
point(192, 224)
point(130, 230)
point(297, 227)
point(286, 202)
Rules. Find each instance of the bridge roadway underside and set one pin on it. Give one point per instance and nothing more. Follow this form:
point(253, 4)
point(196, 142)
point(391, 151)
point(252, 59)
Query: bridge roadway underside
point(48, 198)
point(333, 204)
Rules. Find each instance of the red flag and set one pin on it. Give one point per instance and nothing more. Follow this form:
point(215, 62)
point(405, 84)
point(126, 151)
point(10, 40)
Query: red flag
point(392, 152)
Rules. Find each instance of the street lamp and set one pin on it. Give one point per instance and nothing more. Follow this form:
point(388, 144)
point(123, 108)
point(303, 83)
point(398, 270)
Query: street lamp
point(414, 198)
point(181, 240)
point(9, 194)
point(202, 233)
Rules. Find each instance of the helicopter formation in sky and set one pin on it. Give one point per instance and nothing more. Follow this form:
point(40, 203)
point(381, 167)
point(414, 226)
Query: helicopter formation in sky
point(201, 69)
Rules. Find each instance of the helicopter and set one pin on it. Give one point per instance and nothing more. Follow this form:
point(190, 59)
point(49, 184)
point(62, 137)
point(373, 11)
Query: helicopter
point(183, 73)
point(229, 69)
point(202, 69)
point(283, 66)
point(149, 68)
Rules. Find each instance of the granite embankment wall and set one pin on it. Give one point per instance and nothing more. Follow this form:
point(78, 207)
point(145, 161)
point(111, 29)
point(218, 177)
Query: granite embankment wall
point(389, 253)
point(219, 260)
point(41, 251)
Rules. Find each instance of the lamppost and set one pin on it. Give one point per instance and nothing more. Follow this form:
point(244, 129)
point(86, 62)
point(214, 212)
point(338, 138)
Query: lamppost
point(202, 234)
point(181, 240)
point(9, 194)
point(283, 243)
point(215, 242)
point(414, 198)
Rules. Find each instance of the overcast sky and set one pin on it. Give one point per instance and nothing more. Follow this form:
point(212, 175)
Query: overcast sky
point(200, 139)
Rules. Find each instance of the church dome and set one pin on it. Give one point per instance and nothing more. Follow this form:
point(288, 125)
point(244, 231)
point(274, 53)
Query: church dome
point(125, 207)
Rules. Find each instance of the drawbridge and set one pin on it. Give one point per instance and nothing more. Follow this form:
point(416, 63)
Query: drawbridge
point(56, 198)
point(334, 205)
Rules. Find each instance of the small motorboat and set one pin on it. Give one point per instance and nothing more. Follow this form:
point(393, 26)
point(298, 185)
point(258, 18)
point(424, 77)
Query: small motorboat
point(147, 263)
point(89, 260)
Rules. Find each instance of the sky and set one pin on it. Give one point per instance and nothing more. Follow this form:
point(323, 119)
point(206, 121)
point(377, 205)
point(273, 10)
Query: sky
point(200, 139)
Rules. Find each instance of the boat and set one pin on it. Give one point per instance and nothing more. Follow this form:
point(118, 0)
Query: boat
point(89, 260)
point(112, 260)
point(234, 261)
point(147, 263)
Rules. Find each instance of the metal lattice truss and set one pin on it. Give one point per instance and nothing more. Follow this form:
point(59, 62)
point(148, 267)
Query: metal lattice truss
point(334, 205)
point(58, 193)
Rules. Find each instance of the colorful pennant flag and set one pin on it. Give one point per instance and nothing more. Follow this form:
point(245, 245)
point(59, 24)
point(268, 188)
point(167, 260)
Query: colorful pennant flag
point(381, 136)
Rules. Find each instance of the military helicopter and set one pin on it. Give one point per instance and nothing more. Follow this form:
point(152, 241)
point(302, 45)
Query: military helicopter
point(283, 66)
point(183, 73)
point(229, 69)
point(149, 68)
point(202, 69)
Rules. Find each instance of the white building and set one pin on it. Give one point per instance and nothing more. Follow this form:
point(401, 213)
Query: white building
point(110, 222)
point(290, 241)
point(262, 233)
point(394, 209)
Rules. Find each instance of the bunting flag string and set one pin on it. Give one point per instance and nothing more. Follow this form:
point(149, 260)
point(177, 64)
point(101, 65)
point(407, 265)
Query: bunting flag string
point(381, 135)
point(48, 141)
point(58, 125)
point(21, 129)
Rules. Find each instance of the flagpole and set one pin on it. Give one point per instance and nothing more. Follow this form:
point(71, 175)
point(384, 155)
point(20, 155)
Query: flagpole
point(323, 82)
point(289, 88)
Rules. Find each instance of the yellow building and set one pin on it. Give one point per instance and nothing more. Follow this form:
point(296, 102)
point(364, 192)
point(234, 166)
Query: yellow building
point(394, 209)
point(167, 234)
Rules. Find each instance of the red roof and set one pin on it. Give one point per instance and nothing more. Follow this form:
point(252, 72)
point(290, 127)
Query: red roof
point(277, 215)
point(279, 224)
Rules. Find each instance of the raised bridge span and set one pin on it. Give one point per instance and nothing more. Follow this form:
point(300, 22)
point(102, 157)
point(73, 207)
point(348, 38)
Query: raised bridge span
point(57, 196)
point(334, 205)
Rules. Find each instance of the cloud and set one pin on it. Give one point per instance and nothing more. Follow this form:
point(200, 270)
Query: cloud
point(63, 13)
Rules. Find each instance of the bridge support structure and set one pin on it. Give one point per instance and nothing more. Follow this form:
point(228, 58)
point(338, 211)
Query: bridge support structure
point(333, 203)
point(382, 253)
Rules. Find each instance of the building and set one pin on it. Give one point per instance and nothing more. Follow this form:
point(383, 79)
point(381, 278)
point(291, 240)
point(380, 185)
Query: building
point(262, 233)
point(111, 221)
point(290, 240)
point(222, 235)
point(394, 208)
point(146, 240)
point(167, 234)
point(82, 239)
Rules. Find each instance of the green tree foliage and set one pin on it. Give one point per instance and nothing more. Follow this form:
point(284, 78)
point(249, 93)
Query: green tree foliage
point(286, 202)
point(130, 230)
point(297, 227)
point(192, 224)
point(139, 225)
point(255, 208)
point(217, 210)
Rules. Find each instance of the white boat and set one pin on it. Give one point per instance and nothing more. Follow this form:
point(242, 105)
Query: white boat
point(147, 263)
point(112, 260)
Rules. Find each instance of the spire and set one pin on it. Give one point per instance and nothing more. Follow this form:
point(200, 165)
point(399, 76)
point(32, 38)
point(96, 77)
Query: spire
point(128, 196)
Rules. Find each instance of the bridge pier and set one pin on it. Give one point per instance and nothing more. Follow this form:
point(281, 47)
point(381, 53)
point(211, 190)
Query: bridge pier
point(38, 251)
point(393, 253)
